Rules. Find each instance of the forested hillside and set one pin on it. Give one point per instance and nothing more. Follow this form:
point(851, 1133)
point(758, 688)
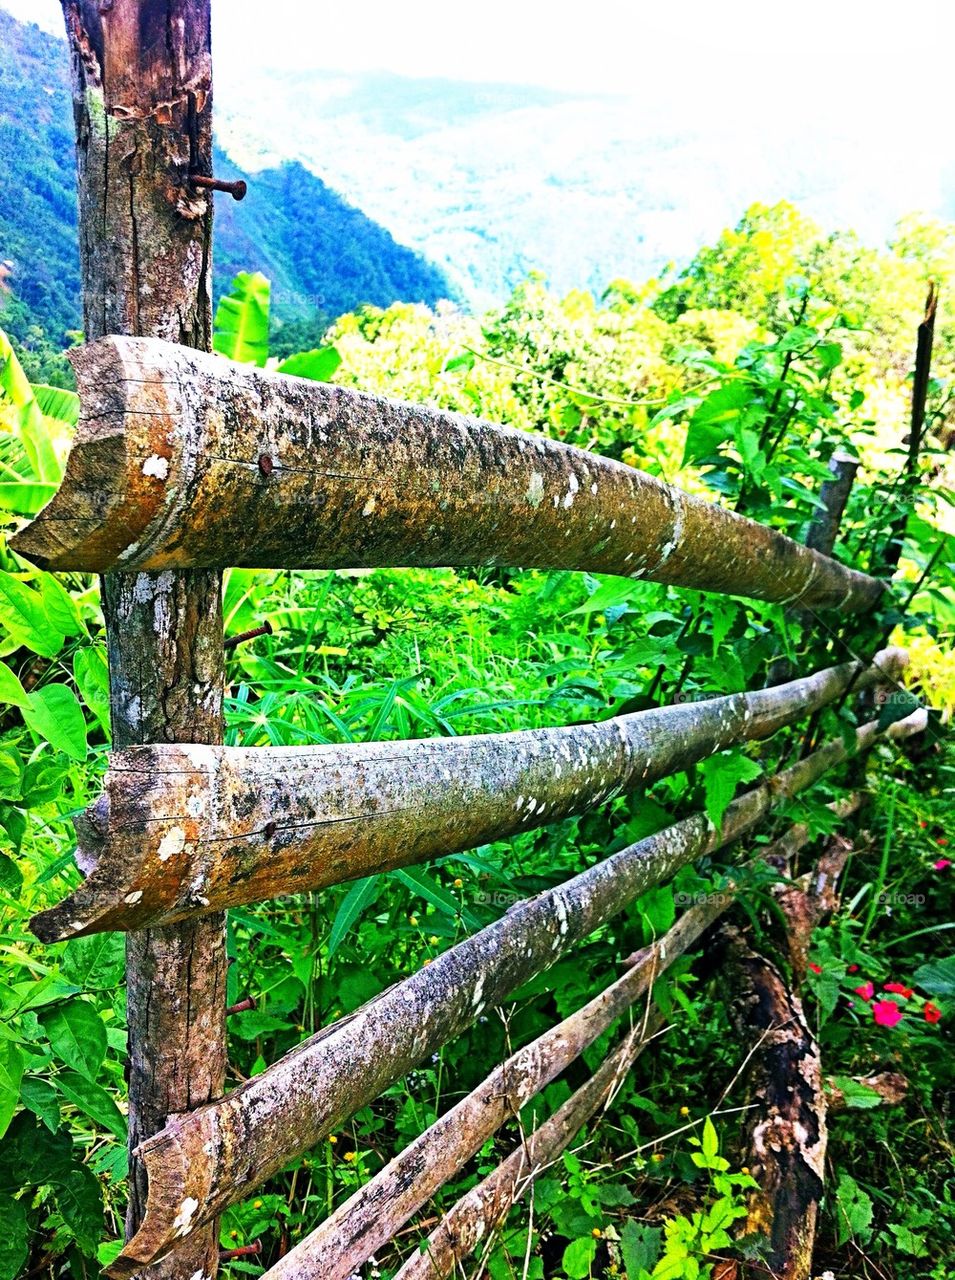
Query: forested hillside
point(323, 255)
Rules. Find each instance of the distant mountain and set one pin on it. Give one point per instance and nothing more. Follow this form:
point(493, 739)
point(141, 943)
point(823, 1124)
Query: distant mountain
point(491, 181)
point(321, 253)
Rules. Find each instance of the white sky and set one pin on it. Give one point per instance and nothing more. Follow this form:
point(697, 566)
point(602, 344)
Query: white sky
point(885, 56)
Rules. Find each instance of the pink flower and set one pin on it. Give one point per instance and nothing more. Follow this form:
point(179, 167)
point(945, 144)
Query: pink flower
point(932, 1012)
point(897, 989)
point(886, 1013)
point(941, 863)
point(814, 967)
point(866, 991)
point(853, 968)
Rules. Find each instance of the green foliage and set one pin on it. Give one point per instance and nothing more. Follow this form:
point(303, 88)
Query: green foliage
point(740, 405)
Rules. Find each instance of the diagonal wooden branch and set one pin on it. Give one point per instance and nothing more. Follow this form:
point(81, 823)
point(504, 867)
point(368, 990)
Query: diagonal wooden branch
point(201, 1163)
point(183, 830)
point(185, 460)
point(373, 1214)
point(486, 1206)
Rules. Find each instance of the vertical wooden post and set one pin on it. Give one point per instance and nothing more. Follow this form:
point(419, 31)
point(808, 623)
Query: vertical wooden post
point(142, 86)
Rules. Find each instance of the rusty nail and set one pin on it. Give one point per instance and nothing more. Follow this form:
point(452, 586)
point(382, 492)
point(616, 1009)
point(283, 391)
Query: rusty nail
point(269, 830)
point(266, 465)
point(237, 190)
point(264, 630)
point(241, 1006)
point(242, 1252)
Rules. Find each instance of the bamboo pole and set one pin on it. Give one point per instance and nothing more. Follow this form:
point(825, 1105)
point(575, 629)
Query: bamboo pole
point(183, 830)
point(211, 1158)
point(184, 460)
point(142, 93)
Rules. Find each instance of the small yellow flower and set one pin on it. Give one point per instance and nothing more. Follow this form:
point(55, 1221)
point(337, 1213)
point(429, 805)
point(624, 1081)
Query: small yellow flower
point(233, 1235)
point(614, 1269)
point(657, 1157)
point(332, 1139)
point(458, 883)
point(433, 939)
point(684, 1111)
point(351, 1156)
point(596, 1233)
point(256, 1204)
point(413, 921)
point(746, 1170)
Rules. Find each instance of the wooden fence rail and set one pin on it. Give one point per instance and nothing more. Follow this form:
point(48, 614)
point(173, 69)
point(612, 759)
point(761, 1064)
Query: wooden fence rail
point(183, 460)
point(183, 830)
point(211, 1158)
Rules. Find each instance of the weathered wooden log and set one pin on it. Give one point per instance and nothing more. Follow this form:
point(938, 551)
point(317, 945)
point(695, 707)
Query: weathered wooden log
point(833, 496)
point(183, 830)
point(806, 901)
point(184, 460)
point(141, 74)
point(788, 1142)
point(485, 1207)
point(202, 1162)
point(370, 1217)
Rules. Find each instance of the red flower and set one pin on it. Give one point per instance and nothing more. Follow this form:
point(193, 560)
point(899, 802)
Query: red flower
point(886, 1013)
point(853, 968)
point(814, 967)
point(932, 1012)
point(941, 840)
point(941, 863)
point(898, 989)
point(866, 991)
point(923, 824)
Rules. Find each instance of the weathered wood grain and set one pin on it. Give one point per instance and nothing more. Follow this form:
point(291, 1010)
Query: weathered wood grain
point(215, 1156)
point(484, 1208)
point(184, 460)
point(141, 74)
point(184, 830)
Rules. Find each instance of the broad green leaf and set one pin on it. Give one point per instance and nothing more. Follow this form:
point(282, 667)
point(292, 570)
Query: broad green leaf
point(242, 320)
point(94, 963)
point(14, 1238)
point(421, 883)
point(23, 615)
point(712, 423)
point(896, 707)
point(318, 365)
point(55, 402)
point(53, 713)
point(79, 1199)
point(92, 1101)
point(721, 774)
point(853, 1211)
point(578, 1257)
point(856, 1095)
point(11, 690)
point(937, 977)
point(60, 607)
point(11, 1072)
point(39, 1096)
point(77, 1035)
point(709, 1142)
point(91, 673)
point(11, 877)
point(359, 897)
point(31, 1156)
point(640, 1247)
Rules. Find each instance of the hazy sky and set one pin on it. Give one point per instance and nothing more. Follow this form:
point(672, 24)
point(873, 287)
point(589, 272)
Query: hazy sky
point(879, 56)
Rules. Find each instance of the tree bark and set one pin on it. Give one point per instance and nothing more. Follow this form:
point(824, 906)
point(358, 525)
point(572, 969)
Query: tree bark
point(182, 460)
point(203, 1162)
point(181, 831)
point(788, 1144)
point(142, 88)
